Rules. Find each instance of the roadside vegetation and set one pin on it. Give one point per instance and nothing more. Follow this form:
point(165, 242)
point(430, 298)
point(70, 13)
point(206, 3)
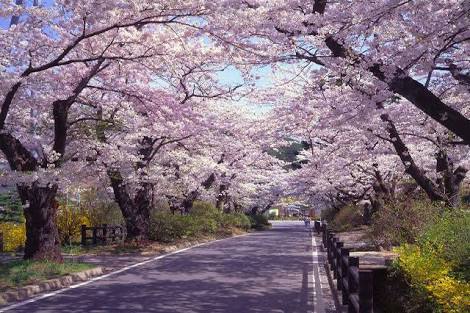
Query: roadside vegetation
point(203, 222)
point(432, 271)
point(27, 272)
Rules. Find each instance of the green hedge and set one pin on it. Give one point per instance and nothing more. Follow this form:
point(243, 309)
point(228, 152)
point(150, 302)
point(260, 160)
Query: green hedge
point(204, 219)
point(260, 222)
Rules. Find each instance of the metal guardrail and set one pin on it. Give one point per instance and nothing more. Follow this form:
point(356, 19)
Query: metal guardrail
point(355, 283)
point(104, 234)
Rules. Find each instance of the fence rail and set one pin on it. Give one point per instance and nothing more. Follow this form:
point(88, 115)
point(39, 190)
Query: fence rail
point(355, 283)
point(104, 234)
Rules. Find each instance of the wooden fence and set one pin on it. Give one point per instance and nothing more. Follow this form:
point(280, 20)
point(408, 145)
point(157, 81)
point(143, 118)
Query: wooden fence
point(355, 283)
point(104, 234)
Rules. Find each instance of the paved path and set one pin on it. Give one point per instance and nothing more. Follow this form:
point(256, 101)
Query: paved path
point(271, 271)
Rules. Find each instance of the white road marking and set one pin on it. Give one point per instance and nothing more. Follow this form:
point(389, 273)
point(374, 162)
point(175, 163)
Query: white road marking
point(318, 305)
point(54, 293)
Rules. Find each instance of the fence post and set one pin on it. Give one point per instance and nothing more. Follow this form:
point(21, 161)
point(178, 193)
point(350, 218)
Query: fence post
point(353, 262)
point(345, 275)
point(83, 232)
point(95, 235)
point(113, 234)
point(332, 255)
point(366, 291)
point(338, 247)
point(105, 233)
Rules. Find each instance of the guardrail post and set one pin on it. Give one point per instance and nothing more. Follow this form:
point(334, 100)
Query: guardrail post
point(83, 232)
point(316, 225)
point(105, 233)
point(337, 260)
point(353, 262)
point(95, 236)
point(366, 291)
point(332, 255)
point(344, 275)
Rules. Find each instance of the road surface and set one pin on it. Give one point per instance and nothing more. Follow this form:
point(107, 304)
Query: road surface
point(270, 271)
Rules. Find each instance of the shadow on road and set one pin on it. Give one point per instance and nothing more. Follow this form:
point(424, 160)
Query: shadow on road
point(263, 272)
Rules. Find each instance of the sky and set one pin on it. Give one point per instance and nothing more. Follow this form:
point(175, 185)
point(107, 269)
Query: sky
point(230, 77)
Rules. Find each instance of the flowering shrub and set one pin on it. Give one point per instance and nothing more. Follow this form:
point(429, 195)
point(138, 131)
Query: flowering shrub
point(436, 267)
point(69, 220)
point(427, 272)
point(14, 236)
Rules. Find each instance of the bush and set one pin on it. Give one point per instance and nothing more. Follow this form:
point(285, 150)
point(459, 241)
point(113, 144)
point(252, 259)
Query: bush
point(166, 227)
point(14, 236)
point(398, 223)
point(449, 239)
point(260, 222)
point(206, 209)
point(238, 220)
point(101, 211)
point(430, 278)
point(204, 220)
point(348, 218)
point(10, 208)
point(69, 221)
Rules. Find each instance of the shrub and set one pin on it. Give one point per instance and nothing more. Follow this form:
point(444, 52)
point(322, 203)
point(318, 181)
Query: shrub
point(260, 222)
point(14, 236)
point(100, 210)
point(10, 208)
point(449, 239)
point(69, 221)
point(238, 220)
point(166, 227)
point(202, 208)
point(347, 218)
point(430, 277)
point(328, 214)
point(398, 223)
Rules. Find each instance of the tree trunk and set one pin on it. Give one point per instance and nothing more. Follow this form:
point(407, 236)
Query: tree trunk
point(451, 179)
point(221, 197)
point(189, 201)
point(136, 212)
point(42, 236)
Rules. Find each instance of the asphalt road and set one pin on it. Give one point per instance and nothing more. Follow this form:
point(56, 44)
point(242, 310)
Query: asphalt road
point(271, 271)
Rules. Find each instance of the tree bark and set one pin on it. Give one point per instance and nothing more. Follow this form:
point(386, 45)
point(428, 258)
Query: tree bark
point(411, 168)
point(42, 236)
point(136, 212)
point(221, 197)
point(447, 188)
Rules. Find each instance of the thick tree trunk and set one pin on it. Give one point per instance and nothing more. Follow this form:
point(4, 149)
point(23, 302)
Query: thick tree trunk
point(411, 167)
point(136, 212)
point(221, 197)
point(451, 180)
point(189, 201)
point(42, 237)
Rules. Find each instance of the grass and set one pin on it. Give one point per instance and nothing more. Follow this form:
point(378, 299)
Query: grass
point(21, 273)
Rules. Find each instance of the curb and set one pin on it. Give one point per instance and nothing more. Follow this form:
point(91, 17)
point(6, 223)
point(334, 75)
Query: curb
point(27, 292)
point(51, 284)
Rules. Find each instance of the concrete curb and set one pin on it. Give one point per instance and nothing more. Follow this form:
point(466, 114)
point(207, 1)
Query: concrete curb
point(51, 284)
point(27, 292)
